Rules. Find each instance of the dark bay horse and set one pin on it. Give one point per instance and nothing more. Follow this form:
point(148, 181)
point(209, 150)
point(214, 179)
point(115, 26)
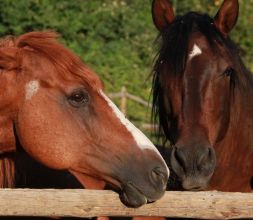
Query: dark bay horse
point(53, 106)
point(203, 99)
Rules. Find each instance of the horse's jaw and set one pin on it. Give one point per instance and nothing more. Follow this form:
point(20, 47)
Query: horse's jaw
point(87, 181)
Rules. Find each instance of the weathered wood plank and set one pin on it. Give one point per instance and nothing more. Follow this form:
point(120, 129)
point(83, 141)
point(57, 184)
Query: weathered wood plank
point(90, 203)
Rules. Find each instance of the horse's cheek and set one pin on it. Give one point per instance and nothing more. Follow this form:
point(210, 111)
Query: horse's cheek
point(45, 134)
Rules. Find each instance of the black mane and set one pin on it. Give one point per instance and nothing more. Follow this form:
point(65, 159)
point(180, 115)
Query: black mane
point(171, 59)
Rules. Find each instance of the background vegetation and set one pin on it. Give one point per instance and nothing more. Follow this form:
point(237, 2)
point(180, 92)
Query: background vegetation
point(114, 37)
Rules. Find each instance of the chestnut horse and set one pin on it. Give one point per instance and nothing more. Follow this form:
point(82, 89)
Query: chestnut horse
point(54, 107)
point(203, 99)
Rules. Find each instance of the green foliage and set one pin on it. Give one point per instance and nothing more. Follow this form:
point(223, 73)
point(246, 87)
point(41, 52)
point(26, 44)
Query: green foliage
point(114, 37)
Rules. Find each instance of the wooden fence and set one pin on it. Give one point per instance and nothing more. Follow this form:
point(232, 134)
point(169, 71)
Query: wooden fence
point(91, 203)
point(124, 96)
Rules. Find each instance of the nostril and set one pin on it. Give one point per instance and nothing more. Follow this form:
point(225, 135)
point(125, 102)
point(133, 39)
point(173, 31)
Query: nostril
point(178, 163)
point(207, 156)
point(211, 156)
point(207, 160)
point(158, 175)
point(203, 157)
point(180, 158)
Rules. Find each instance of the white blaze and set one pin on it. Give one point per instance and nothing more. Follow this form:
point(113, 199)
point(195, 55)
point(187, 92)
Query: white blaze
point(142, 141)
point(195, 51)
point(31, 88)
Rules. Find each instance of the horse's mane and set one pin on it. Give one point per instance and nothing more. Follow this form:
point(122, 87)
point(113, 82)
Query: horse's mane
point(45, 44)
point(7, 171)
point(171, 59)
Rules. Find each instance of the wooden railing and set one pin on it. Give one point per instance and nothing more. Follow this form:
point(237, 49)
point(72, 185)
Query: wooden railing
point(91, 203)
point(124, 96)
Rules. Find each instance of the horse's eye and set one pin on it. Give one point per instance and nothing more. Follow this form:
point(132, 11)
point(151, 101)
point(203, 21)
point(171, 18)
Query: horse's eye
point(79, 98)
point(229, 72)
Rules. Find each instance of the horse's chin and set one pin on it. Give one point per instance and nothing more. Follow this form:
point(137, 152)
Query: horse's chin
point(131, 196)
point(195, 184)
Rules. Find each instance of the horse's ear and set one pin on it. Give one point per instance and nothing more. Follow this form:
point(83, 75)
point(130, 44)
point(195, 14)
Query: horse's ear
point(7, 136)
point(227, 16)
point(162, 12)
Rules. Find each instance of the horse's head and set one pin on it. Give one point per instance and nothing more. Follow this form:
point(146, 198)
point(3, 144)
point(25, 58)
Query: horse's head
point(194, 79)
point(56, 108)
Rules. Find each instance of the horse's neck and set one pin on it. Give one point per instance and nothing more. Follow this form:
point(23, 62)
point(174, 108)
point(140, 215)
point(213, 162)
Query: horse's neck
point(235, 151)
point(241, 119)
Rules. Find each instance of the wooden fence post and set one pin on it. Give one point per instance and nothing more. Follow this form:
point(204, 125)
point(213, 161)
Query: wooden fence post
point(123, 103)
point(124, 96)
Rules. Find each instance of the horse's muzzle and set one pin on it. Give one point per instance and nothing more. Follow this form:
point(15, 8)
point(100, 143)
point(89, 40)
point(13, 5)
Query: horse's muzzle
point(136, 195)
point(193, 165)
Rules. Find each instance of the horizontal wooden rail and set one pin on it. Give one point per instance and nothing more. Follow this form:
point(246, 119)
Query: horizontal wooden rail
point(149, 127)
point(90, 203)
point(129, 96)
